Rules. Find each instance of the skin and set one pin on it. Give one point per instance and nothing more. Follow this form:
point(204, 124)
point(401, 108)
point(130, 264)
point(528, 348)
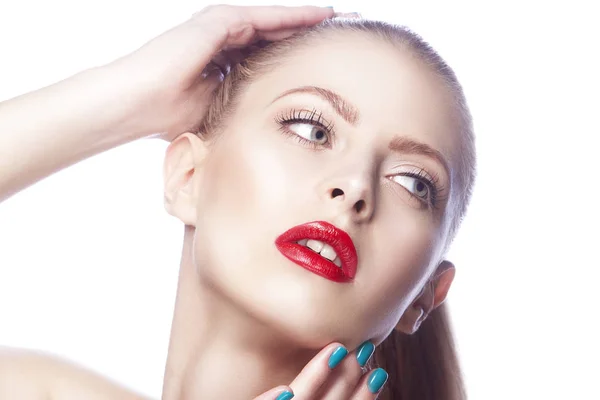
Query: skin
point(245, 311)
point(233, 335)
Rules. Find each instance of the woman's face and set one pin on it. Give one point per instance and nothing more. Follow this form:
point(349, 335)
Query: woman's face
point(350, 132)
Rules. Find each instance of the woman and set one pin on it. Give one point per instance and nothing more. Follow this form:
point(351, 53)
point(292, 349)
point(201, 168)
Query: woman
point(319, 186)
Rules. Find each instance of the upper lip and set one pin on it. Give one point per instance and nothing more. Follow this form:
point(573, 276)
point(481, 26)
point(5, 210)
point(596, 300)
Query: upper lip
point(327, 233)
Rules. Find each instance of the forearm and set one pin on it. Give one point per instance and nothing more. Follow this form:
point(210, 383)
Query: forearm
point(52, 128)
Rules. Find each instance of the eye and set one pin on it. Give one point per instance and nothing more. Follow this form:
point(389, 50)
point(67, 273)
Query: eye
point(309, 128)
point(314, 133)
point(417, 186)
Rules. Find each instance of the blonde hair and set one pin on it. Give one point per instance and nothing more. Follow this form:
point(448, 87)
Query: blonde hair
point(424, 365)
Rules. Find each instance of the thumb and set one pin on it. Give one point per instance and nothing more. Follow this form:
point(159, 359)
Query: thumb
point(197, 103)
point(211, 73)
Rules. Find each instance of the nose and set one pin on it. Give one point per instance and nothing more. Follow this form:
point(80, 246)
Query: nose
point(354, 196)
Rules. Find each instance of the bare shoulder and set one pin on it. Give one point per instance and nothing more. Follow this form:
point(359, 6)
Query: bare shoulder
point(30, 375)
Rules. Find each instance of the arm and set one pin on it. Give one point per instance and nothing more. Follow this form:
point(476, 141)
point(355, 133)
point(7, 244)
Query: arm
point(27, 375)
point(152, 90)
point(52, 128)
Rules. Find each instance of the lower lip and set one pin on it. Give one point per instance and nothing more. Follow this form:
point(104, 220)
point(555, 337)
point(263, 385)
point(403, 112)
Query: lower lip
point(308, 259)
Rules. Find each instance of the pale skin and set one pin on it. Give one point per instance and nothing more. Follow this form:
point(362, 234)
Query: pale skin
point(232, 335)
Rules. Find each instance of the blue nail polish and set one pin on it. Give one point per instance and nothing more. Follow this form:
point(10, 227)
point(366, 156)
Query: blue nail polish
point(377, 380)
point(364, 352)
point(285, 396)
point(337, 356)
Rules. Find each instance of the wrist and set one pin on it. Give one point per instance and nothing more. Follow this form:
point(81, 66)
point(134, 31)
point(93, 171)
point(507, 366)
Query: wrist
point(121, 103)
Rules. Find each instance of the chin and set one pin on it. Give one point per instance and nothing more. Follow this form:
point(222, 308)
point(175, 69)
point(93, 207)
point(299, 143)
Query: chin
point(304, 308)
point(303, 326)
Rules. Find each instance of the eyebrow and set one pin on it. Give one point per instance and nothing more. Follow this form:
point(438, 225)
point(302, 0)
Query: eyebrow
point(346, 110)
point(407, 145)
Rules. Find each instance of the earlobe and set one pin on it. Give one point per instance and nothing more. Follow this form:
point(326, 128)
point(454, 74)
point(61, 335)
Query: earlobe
point(182, 165)
point(432, 296)
point(417, 311)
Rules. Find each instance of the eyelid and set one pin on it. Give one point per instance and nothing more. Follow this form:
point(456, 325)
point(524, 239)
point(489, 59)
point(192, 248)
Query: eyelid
point(430, 179)
point(416, 171)
point(305, 116)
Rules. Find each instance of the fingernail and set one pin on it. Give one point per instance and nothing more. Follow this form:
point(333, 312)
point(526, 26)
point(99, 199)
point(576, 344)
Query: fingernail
point(285, 396)
point(348, 15)
point(328, 6)
point(364, 352)
point(377, 380)
point(337, 356)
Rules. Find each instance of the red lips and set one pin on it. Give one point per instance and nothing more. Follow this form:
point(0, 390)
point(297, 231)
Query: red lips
point(312, 261)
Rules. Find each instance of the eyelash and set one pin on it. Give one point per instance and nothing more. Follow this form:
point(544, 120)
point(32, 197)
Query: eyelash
point(433, 183)
point(313, 117)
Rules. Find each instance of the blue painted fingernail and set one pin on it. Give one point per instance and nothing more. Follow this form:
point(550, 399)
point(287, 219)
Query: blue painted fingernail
point(377, 380)
point(337, 356)
point(285, 396)
point(328, 6)
point(364, 352)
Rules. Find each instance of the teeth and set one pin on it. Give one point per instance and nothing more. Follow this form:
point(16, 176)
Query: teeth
point(325, 250)
point(315, 245)
point(328, 252)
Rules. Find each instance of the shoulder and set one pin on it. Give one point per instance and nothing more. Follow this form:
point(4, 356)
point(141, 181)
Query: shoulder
point(30, 375)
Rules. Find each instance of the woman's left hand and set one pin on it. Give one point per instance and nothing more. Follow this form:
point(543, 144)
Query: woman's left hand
point(333, 374)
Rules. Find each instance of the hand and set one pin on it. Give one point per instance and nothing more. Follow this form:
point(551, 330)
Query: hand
point(178, 71)
point(323, 379)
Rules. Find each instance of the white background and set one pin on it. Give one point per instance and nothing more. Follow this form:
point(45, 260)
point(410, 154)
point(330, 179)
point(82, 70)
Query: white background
point(89, 259)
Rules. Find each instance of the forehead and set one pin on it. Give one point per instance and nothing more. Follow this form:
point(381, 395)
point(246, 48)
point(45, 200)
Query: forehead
point(394, 91)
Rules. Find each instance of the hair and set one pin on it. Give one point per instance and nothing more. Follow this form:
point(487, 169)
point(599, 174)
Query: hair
point(423, 365)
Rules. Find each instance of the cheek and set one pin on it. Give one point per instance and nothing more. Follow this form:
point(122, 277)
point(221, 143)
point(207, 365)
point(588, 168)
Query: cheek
point(258, 175)
point(399, 258)
point(246, 199)
point(245, 179)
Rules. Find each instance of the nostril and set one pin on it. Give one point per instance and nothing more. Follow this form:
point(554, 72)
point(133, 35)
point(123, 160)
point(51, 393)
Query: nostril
point(359, 206)
point(336, 193)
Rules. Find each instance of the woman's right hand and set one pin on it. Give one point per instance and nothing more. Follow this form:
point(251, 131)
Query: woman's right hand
point(178, 71)
point(159, 89)
point(333, 374)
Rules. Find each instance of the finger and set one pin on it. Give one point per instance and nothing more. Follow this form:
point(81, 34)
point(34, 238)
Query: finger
point(235, 56)
point(287, 32)
point(268, 18)
point(213, 72)
point(238, 25)
point(278, 393)
point(317, 371)
point(222, 61)
point(281, 34)
point(220, 27)
point(370, 385)
point(353, 15)
point(344, 380)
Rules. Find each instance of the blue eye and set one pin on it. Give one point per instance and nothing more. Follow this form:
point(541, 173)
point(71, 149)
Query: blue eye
point(417, 186)
point(311, 132)
point(307, 127)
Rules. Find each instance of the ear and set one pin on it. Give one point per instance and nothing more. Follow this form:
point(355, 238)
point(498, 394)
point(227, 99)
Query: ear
point(181, 173)
point(432, 296)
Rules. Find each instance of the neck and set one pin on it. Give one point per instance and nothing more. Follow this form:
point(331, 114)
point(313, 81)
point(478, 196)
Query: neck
point(217, 350)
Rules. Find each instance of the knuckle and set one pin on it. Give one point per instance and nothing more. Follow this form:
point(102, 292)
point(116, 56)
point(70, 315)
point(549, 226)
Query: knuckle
point(220, 15)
